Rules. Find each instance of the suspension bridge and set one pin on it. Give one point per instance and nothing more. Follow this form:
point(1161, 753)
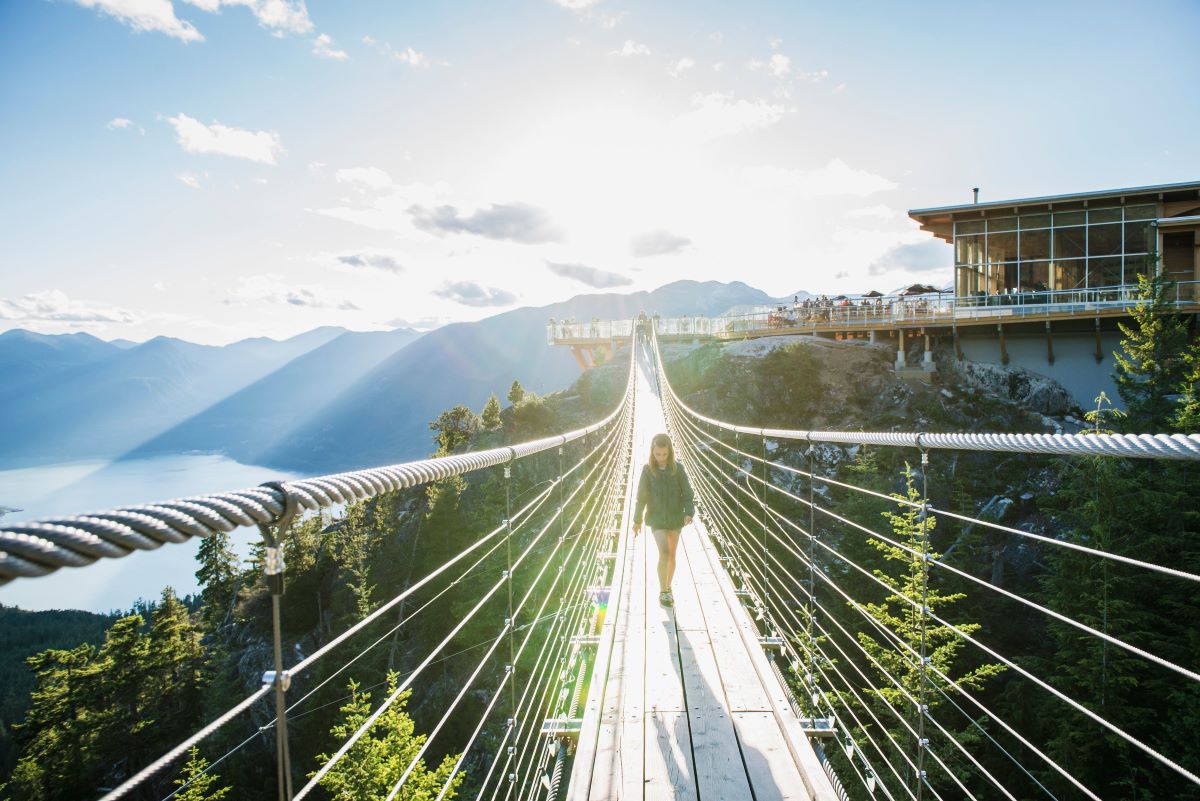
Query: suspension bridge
point(751, 686)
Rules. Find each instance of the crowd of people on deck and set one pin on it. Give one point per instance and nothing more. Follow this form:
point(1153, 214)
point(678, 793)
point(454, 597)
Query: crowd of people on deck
point(823, 308)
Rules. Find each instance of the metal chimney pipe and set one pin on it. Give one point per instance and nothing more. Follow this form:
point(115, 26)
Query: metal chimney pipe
point(976, 191)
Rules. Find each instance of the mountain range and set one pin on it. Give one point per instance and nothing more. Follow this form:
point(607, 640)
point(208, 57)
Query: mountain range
point(322, 401)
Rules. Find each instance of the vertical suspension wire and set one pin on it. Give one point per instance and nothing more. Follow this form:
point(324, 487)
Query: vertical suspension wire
point(508, 574)
point(923, 700)
point(812, 570)
point(766, 601)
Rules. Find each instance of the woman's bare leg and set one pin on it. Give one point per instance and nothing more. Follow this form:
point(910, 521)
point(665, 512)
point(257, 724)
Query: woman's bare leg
point(668, 543)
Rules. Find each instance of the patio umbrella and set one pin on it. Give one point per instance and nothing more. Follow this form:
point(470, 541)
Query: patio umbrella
point(920, 289)
point(873, 294)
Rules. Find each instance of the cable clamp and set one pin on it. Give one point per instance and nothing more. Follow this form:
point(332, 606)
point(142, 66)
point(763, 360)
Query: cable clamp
point(273, 564)
point(507, 471)
point(285, 679)
point(923, 742)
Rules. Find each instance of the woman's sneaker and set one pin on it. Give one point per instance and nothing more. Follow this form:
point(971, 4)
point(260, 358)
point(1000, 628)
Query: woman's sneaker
point(665, 598)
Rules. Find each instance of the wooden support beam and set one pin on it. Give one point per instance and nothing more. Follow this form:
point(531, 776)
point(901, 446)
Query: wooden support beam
point(1099, 350)
point(1003, 344)
point(1049, 343)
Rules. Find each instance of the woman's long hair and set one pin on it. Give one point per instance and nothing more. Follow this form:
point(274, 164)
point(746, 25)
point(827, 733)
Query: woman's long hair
point(662, 441)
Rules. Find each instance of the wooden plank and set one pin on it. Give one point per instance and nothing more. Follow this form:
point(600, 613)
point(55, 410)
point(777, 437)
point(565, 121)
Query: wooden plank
point(632, 737)
point(664, 685)
point(815, 782)
point(669, 774)
point(772, 771)
point(595, 778)
point(719, 770)
point(688, 616)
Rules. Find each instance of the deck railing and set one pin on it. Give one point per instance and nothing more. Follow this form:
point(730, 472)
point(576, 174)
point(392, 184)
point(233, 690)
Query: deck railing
point(868, 313)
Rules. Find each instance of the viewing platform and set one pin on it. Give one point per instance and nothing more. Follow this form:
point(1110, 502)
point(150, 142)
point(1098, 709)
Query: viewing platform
point(887, 317)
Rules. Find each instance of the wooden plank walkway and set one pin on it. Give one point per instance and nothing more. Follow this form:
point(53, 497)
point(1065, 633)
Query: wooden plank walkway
point(684, 704)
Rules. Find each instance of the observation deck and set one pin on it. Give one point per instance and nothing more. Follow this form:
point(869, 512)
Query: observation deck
point(895, 317)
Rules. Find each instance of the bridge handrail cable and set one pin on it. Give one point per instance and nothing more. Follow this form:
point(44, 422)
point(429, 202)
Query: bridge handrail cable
point(39, 547)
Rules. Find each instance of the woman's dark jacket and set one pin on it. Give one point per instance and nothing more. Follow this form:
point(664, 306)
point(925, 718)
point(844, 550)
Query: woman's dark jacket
point(668, 494)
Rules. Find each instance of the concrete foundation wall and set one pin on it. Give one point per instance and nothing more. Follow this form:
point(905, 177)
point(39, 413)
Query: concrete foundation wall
point(1075, 366)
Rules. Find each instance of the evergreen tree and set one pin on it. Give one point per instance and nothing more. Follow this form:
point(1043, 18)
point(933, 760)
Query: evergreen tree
point(377, 761)
point(1187, 418)
point(900, 612)
point(1151, 365)
point(454, 428)
point(218, 577)
point(516, 393)
point(491, 414)
point(195, 784)
point(175, 676)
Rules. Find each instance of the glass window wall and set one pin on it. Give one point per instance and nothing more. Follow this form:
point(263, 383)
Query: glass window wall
point(1062, 250)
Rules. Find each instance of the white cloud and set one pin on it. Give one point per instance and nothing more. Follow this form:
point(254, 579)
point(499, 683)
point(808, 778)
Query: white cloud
point(196, 137)
point(657, 243)
point(53, 306)
point(280, 16)
point(631, 48)
point(273, 288)
point(189, 179)
point(716, 115)
point(815, 76)
point(323, 48)
point(929, 255)
point(412, 57)
point(389, 210)
point(147, 15)
point(878, 212)
point(778, 65)
point(117, 123)
point(835, 178)
point(776, 43)
point(610, 21)
point(374, 260)
point(576, 5)
point(681, 66)
point(364, 178)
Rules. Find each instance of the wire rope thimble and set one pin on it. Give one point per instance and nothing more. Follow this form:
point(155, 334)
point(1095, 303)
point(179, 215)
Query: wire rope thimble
point(273, 554)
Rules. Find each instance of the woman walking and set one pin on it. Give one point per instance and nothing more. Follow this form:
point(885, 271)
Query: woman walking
point(665, 496)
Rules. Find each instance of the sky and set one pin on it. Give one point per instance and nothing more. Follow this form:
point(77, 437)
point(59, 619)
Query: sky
point(221, 169)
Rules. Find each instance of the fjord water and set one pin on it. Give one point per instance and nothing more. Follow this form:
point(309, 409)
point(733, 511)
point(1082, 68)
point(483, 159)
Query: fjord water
point(92, 486)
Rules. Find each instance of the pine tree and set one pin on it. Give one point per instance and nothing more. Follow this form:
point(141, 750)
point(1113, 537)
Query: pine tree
point(491, 414)
point(1187, 418)
point(516, 393)
point(377, 761)
point(174, 668)
point(195, 784)
point(900, 612)
point(1150, 365)
point(454, 428)
point(218, 578)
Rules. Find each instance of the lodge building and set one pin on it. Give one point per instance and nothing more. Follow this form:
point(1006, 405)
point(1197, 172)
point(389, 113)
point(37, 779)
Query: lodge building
point(1070, 243)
